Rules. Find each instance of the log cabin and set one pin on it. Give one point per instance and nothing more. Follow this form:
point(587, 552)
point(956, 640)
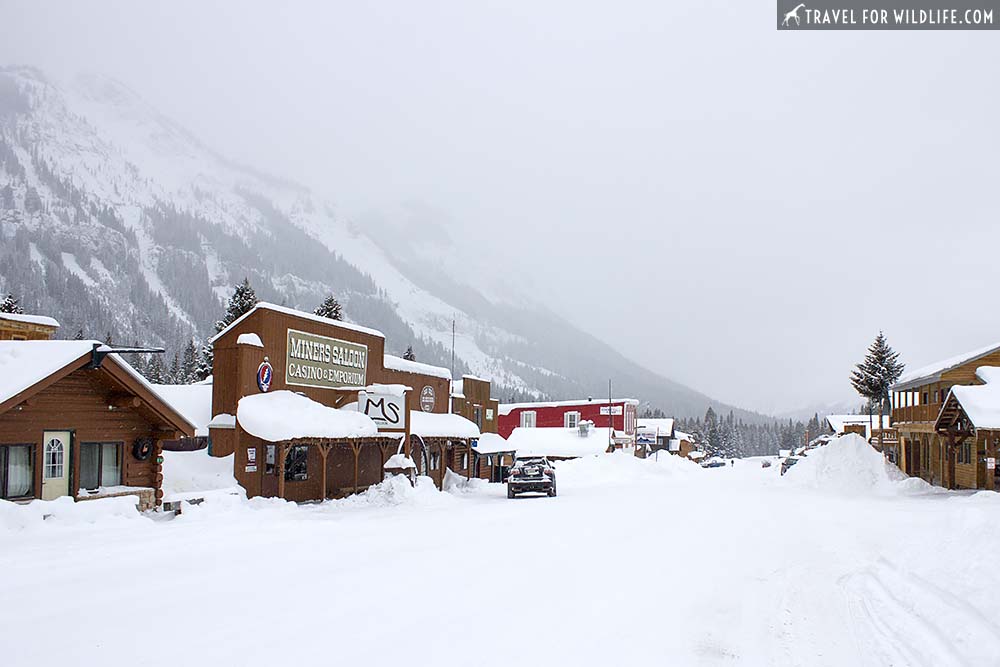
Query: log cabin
point(16, 326)
point(77, 420)
point(929, 447)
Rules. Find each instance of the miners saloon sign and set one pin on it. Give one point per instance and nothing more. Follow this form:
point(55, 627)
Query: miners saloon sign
point(328, 363)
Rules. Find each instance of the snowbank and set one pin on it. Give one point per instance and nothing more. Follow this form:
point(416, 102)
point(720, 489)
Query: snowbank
point(190, 474)
point(849, 465)
point(455, 483)
point(66, 512)
point(393, 492)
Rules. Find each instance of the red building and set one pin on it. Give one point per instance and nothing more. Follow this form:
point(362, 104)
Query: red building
point(619, 414)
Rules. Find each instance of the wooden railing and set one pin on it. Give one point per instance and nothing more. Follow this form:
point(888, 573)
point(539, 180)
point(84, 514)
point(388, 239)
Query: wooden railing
point(915, 413)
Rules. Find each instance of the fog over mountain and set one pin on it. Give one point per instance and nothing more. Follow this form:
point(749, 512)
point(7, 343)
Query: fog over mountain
point(737, 211)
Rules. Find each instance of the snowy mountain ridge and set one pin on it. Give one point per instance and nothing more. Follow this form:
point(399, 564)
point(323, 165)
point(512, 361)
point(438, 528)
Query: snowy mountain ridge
point(116, 219)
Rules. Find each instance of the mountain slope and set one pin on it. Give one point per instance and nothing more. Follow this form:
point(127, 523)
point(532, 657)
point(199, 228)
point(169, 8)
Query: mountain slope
point(121, 223)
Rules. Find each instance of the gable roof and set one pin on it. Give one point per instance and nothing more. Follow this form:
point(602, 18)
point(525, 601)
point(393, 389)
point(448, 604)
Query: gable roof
point(933, 372)
point(312, 317)
point(979, 402)
point(40, 320)
point(28, 367)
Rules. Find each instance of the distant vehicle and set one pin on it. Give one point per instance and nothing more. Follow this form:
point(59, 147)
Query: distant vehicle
point(788, 463)
point(531, 474)
point(765, 464)
point(714, 462)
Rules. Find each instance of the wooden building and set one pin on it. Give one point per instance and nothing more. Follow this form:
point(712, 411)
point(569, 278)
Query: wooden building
point(618, 414)
point(339, 369)
point(969, 425)
point(925, 448)
point(471, 397)
point(77, 420)
point(657, 435)
point(26, 327)
point(494, 456)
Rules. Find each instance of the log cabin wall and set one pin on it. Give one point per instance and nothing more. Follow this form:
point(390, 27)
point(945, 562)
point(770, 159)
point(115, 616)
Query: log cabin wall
point(476, 394)
point(14, 330)
point(417, 382)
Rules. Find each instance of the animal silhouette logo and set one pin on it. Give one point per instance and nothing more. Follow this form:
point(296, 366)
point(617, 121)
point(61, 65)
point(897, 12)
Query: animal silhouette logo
point(793, 15)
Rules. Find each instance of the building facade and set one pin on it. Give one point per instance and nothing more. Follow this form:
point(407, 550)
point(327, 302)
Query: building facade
point(618, 414)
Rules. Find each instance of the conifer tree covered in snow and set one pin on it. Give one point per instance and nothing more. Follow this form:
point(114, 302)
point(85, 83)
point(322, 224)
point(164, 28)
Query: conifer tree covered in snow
point(189, 364)
point(240, 303)
point(330, 308)
point(875, 375)
point(10, 305)
point(409, 354)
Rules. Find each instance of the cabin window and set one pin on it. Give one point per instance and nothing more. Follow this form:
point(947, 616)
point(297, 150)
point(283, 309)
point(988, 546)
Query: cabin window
point(18, 337)
point(571, 419)
point(297, 463)
point(528, 419)
point(435, 460)
point(269, 458)
point(965, 453)
point(17, 473)
point(465, 461)
point(477, 415)
point(924, 400)
point(54, 454)
point(100, 464)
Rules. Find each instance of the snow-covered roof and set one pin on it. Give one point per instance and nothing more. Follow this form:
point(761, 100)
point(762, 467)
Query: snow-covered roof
point(696, 455)
point(399, 462)
point(441, 425)
point(932, 372)
point(249, 339)
point(558, 441)
point(491, 443)
point(507, 408)
point(457, 389)
point(405, 366)
point(301, 315)
point(25, 363)
point(662, 426)
point(681, 435)
point(981, 402)
point(285, 415)
point(40, 320)
point(838, 422)
point(192, 401)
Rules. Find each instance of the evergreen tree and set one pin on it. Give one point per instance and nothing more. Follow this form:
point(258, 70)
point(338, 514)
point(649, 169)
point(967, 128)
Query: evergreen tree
point(875, 375)
point(330, 308)
point(10, 305)
point(175, 376)
point(240, 303)
point(155, 372)
point(205, 361)
point(189, 364)
point(409, 355)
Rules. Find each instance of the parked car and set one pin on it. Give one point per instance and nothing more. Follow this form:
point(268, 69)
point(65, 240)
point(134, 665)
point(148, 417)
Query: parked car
point(788, 463)
point(714, 462)
point(531, 474)
point(765, 464)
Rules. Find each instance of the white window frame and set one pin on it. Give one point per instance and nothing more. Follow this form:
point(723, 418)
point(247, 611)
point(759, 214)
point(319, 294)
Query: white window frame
point(572, 416)
point(54, 459)
point(529, 418)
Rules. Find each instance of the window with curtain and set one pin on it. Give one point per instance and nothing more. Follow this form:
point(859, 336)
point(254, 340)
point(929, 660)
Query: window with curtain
point(16, 471)
point(100, 464)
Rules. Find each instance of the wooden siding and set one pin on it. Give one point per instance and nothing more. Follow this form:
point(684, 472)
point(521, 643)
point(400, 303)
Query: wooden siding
point(79, 403)
point(416, 381)
point(11, 330)
point(476, 393)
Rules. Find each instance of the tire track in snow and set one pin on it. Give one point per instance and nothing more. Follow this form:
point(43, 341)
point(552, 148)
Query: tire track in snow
point(900, 618)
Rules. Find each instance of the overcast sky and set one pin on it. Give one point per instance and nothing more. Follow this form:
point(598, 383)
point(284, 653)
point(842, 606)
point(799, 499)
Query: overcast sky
point(737, 208)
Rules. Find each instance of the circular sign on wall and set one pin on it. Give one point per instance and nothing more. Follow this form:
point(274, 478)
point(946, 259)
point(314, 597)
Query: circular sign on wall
point(427, 398)
point(264, 375)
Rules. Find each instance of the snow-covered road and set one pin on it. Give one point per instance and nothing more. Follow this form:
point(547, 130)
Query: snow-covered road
point(636, 563)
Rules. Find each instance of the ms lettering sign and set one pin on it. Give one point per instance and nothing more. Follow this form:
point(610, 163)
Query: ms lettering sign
point(328, 363)
point(388, 411)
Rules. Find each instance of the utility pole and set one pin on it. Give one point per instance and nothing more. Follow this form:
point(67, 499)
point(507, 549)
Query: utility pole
point(452, 349)
point(611, 420)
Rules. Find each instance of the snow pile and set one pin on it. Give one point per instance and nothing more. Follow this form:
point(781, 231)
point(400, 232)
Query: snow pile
point(849, 465)
point(400, 462)
point(981, 403)
point(393, 492)
point(65, 511)
point(190, 474)
point(285, 415)
point(455, 483)
point(622, 469)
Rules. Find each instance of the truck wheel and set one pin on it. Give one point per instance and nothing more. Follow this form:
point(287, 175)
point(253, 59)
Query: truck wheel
point(552, 491)
point(510, 492)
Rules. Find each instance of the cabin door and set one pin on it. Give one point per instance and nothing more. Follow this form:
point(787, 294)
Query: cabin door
point(55, 464)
